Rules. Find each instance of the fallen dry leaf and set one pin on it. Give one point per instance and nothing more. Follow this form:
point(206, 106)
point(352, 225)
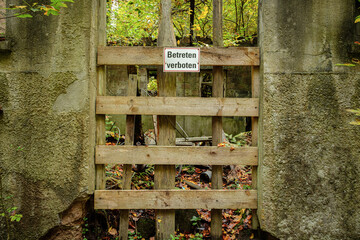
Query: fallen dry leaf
point(112, 231)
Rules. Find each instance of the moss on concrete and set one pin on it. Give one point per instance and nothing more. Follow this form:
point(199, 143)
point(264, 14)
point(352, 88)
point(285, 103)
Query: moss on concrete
point(47, 95)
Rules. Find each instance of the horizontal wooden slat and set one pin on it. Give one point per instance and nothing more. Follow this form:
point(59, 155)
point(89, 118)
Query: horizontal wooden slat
point(194, 139)
point(175, 199)
point(171, 155)
point(214, 56)
point(186, 106)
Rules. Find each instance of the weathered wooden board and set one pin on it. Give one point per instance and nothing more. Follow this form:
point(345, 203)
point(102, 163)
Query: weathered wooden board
point(213, 56)
point(127, 173)
point(255, 86)
point(164, 177)
point(175, 199)
point(164, 155)
point(217, 125)
point(100, 180)
point(195, 139)
point(186, 106)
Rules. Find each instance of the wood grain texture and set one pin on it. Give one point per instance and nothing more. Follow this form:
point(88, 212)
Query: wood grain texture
point(175, 199)
point(255, 86)
point(127, 168)
point(218, 23)
point(194, 139)
point(217, 126)
point(101, 24)
point(130, 130)
point(214, 56)
point(164, 177)
point(100, 181)
point(166, 37)
point(186, 106)
point(171, 155)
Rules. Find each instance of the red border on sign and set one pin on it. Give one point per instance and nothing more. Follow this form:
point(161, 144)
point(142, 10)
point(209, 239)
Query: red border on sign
point(180, 70)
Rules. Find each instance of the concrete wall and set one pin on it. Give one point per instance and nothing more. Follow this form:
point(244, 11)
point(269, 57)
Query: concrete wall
point(309, 174)
point(47, 87)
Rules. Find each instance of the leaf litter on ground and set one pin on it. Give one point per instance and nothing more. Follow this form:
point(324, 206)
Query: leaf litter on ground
point(236, 222)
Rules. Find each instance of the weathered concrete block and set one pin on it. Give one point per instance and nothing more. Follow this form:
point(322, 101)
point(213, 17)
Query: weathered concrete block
point(47, 93)
point(303, 36)
point(309, 168)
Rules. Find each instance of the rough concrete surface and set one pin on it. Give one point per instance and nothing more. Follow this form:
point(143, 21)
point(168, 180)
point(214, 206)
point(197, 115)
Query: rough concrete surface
point(47, 87)
point(309, 172)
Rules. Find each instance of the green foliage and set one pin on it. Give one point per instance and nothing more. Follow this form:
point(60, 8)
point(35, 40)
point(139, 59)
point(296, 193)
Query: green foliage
point(132, 22)
point(195, 220)
point(8, 212)
point(239, 139)
point(240, 21)
point(190, 169)
point(136, 22)
point(11, 214)
point(85, 227)
point(134, 235)
point(174, 237)
point(111, 128)
point(346, 64)
point(25, 10)
point(152, 85)
point(144, 180)
point(197, 236)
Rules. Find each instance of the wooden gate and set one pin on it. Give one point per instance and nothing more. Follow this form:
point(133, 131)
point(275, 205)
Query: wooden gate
point(164, 199)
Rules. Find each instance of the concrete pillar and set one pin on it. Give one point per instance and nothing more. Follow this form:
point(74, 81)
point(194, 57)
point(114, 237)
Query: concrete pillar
point(47, 93)
point(309, 172)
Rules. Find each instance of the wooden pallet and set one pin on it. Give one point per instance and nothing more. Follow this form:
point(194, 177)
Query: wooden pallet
point(164, 198)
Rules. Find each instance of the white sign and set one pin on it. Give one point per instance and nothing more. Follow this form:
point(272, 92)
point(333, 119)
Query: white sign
point(181, 59)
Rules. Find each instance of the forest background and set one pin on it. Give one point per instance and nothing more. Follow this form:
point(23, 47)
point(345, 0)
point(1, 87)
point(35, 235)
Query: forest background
point(136, 22)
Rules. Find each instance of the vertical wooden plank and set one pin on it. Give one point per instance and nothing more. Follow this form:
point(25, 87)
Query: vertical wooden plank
point(129, 140)
point(142, 80)
point(165, 174)
point(255, 86)
point(217, 23)
point(166, 36)
point(217, 126)
point(101, 91)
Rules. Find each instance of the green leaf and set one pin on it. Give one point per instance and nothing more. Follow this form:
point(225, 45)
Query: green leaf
point(52, 12)
point(357, 19)
point(25, 15)
point(9, 197)
point(16, 218)
point(355, 111)
point(346, 64)
point(35, 9)
point(356, 122)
